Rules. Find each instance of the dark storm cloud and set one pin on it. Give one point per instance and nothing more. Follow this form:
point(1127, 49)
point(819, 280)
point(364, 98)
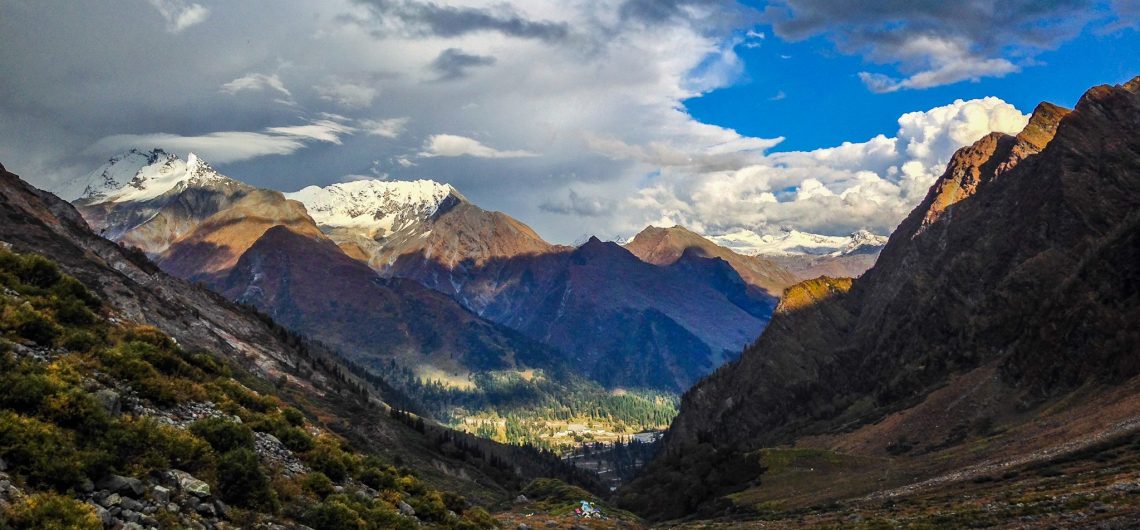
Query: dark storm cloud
point(935, 42)
point(453, 63)
point(428, 18)
point(989, 24)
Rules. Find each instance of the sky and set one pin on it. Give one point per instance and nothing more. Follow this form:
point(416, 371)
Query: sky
point(576, 117)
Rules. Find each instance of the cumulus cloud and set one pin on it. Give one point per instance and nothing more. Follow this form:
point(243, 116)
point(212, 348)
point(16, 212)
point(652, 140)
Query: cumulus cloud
point(450, 145)
point(866, 185)
point(933, 42)
point(179, 15)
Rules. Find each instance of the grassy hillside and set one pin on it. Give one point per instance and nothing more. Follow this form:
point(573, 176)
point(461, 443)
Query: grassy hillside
point(91, 403)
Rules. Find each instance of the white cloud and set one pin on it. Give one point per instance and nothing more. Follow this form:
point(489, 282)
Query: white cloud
point(228, 146)
point(450, 145)
point(387, 128)
point(349, 95)
point(868, 185)
point(255, 82)
point(942, 61)
point(179, 15)
point(320, 130)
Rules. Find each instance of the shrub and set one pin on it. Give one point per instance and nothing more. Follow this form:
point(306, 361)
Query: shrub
point(48, 511)
point(42, 453)
point(140, 445)
point(72, 311)
point(38, 271)
point(223, 435)
point(318, 484)
point(79, 341)
point(328, 458)
point(378, 478)
point(31, 324)
point(293, 416)
point(242, 482)
point(334, 515)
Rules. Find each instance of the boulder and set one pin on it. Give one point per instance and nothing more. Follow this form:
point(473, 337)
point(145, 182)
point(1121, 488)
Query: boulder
point(110, 400)
point(108, 501)
point(120, 484)
point(189, 484)
point(405, 508)
point(160, 494)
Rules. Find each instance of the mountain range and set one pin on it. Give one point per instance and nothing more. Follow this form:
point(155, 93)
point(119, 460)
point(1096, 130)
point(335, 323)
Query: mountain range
point(996, 331)
point(685, 309)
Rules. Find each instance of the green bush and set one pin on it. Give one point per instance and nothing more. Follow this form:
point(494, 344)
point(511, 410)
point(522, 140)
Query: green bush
point(38, 271)
point(293, 416)
point(48, 511)
point(241, 481)
point(328, 458)
point(31, 324)
point(334, 515)
point(223, 435)
point(140, 445)
point(317, 484)
point(42, 453)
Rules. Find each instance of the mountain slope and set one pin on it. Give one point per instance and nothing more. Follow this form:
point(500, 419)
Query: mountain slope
point(612, 314)
point(664, 246)
point(305, 374)
point(1013, 284)
point(149, 199)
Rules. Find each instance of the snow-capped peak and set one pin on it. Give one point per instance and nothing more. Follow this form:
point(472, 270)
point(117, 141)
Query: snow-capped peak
point(376, 205)
point(793, 242)
point(139, 176)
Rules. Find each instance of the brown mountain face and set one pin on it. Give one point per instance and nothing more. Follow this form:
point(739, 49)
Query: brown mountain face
point(308, 284)
point(259, 248)
point(624, 322)
point(664, 246)
point(1013, 288)
point(214, 246)
point(460, 234)
point(306, 374)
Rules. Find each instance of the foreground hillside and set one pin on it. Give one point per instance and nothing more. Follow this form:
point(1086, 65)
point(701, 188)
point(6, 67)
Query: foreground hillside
point(996, 331)
point(105, 424)
point(132, 292)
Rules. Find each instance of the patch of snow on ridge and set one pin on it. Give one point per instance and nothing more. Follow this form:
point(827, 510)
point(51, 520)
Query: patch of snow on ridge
point(138, 176)
point(373, 204)
point(794, 242)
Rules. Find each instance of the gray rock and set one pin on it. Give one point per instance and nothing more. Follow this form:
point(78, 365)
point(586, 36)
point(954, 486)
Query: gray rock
point(121, 484)
point(551, 524)
point(108, 501)
point(523, 526)
point(191, 503)
point(103, 515)
point(405, 509)
point(222, 509)
point(160, 494)
point(110, 400)
point(86, 486)
point(130, 515)
point(3, 465)
point(207, 509)
point(521, 499)
point(133, 526)
point(172, 508)
point(190, 485)
point(131, 504)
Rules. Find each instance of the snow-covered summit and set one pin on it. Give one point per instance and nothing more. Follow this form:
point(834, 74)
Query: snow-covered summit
point(138, 176)
point(794, 242)
point(375, 205)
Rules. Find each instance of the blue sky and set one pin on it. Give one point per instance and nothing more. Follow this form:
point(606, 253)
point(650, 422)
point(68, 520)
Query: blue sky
point(577, 117)
point(824, 103)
